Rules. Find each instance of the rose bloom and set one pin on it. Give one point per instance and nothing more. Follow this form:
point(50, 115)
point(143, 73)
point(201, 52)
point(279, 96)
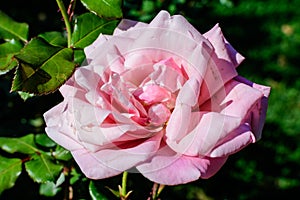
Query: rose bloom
point(160, 99)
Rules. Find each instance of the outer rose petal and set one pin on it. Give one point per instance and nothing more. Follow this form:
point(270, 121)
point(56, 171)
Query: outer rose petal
point(177, 23)
point(236, 140)
point(112, 161)
point(211, 129)
point(223, 49)
point(231, 101)
point(98, 42)
point(59, 130)
point(222, 65)
point(259, 111)
point(169, 168)
point(237, 104)
point(126, 24)
point(214, 167)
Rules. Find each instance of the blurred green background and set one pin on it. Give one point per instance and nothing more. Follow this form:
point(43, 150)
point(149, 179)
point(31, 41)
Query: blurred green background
point(266, 32)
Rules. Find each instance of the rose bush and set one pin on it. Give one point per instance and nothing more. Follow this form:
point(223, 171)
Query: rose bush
point(159, 98)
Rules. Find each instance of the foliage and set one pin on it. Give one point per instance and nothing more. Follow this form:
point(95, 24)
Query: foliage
point(10, 170)
point(45, 62)
point(42, 166)
point(41, 65)
point(267, 33)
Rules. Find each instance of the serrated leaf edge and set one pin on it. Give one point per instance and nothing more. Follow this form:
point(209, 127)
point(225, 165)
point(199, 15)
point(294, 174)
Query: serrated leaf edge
point(43, 93)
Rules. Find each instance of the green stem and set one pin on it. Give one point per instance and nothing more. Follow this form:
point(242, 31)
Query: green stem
point(66, 20)
point(124, 182)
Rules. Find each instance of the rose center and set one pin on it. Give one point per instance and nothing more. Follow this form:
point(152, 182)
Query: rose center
point(156, 101)
point(158, 114)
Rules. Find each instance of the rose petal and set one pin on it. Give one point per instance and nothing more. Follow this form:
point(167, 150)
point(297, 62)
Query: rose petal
point(235, 141)
point(196, 53)
point(230, 100)
point(138, 67)
point(158, 114)
point(177, 23)
point(211, 128)
point(94, 137)
point(168, 74)
point(214, 166)
point(58, 130)
point(68, 91)
point(109, 162)
point(98, 42)
point(111, 54)
point(178, 123)
point(237, 104)
point(154, 94)
point(259, 111)
point(169, 168)
point(180, 117)
point(86, 78)
point(196, 49)
point(121, 98)
point(92, 167)
point(217, 75)
point(221, 67)
point(223, 49)
point(189, 93)
point(127, 24)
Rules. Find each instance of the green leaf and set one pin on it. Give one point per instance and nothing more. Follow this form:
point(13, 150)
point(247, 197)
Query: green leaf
point(25, 95)
point(55, 38)
point(42, 168)
point(104, 8)
point(10, 169)
point(49, 189)
point(75, 176)
point(43, 68)
point(88, 27)
point(61, 179)
point(61, 154)
point(44, 140)
point(9, 29)
point(24, 144)
point(7, 52)
point(79, 56)
point(95, 193)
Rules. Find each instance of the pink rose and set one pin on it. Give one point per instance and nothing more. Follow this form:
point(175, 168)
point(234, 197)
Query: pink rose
point(160, 98)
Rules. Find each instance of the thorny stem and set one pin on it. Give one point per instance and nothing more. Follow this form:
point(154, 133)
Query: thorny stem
point(66, 20)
